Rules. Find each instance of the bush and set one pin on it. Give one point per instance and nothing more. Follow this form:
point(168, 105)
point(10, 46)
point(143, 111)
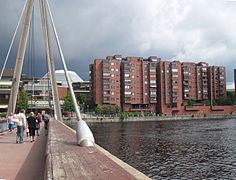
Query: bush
point(122, 116)
point(3, 114)
point(205, 115)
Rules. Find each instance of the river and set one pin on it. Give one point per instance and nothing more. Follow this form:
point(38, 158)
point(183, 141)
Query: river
point(199, 149)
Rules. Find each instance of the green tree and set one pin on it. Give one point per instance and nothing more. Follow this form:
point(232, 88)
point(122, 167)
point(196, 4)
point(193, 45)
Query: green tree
point(191, 102)
point(99, 109)
point(207, 103)
point(22, 103)
point(117, 109)
point(68, 104)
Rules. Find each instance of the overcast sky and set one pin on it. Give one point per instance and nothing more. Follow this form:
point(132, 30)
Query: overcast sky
point(186, 30)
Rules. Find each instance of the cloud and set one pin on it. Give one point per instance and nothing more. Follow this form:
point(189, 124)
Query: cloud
point(186, 30)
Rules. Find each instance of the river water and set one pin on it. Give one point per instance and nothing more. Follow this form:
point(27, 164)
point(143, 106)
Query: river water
point(173, 149)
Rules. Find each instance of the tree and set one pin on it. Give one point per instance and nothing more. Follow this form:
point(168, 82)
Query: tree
point(191, 102)
point(99, 109)
point(68, 104)
point(82, 101)
point(207, 103)
point(22, 103)
point(117, 109)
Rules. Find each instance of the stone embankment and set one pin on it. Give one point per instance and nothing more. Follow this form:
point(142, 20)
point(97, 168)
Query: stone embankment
point(88, 118)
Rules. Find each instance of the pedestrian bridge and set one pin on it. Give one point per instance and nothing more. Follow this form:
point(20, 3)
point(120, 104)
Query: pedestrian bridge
point(56, 155)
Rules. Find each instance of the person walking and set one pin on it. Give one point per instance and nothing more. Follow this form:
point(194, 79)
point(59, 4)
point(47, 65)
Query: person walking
point(21, 124)
point(46, 120)
point(31, 120)
point(38, 120)
point(11, 123)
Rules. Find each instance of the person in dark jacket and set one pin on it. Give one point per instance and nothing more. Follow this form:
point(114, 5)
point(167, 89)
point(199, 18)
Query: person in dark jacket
point(31, 120)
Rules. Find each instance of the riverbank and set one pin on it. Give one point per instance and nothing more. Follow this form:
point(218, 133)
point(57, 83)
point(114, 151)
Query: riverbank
point(153, 118)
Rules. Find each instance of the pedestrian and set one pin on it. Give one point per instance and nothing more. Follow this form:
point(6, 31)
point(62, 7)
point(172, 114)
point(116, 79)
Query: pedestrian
point(21, 127)
point(38, 120)
point(31, 120)
point(11, 123)
point(46, 120)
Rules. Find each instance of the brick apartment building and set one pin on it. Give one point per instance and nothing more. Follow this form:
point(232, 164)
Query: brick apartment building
point(162, 87)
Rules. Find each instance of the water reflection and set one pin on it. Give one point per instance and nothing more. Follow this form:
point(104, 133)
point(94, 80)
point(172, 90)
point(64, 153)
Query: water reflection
point(173, 149)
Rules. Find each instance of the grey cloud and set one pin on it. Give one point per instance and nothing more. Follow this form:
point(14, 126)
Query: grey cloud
point(186, 30)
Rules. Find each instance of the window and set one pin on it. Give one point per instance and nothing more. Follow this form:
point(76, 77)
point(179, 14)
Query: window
point(146, 82)
point(117, 70)
point(152, 70)
point(106, 98)
point(174, 70)
point(132, 70)
point(145, 65)
point(106, 86)
point(112, 75)
point(105, 68)
point(175, 75)
point(112, 93)
point(112, 81)
point(106, 74)
point(106, 92)
point(127, 87)
point(105, 62)
point(153, 98)
point(133, 99)
point(106, 80)
point(112, 87)
point(153, 81)
point(132, 65)
point(132, 76)
point(112, 63)
point(127, 92)
point(133, 93)
point(153, 93)
point(146, 94)
point(127, 81)
point(112, 69)
point(127, 75)
point(112, 99)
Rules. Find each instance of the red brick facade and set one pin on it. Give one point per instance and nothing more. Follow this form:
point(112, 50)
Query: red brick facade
point(161, 87)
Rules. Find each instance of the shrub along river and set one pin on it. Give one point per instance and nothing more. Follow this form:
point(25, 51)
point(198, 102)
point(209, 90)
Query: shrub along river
point(199, 149)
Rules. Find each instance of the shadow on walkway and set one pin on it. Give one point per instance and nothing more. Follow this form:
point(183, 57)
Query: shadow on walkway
point(34, 165)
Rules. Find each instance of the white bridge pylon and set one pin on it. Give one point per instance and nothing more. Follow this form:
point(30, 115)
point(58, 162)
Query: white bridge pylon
point(84, 135)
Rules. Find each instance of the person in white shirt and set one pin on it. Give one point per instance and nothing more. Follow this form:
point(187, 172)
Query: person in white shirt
point(21, 124)
point(11, 123)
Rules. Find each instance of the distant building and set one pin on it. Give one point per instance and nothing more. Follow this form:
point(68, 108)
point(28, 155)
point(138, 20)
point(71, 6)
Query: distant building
point(82, 87)
point(163, 87)
point(60, 77)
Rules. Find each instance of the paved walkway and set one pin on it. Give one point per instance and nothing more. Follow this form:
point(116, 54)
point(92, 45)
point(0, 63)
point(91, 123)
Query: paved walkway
point(67, 160)
point(22, 161)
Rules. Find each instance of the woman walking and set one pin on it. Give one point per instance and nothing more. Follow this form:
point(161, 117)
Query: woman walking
point(31, 120)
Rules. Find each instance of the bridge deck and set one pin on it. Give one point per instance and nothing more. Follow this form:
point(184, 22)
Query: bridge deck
point(57, 156)
point(70, 161)
point(22, 161)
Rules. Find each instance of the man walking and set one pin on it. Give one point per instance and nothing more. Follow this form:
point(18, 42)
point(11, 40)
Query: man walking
point(21, 124)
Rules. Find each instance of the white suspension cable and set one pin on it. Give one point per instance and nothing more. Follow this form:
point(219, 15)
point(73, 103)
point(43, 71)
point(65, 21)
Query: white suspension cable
point(64, 66)
point(84, 134)
point(13, 39)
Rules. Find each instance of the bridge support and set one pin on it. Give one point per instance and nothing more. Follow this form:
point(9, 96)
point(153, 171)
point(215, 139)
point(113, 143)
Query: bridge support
point(20, 57)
